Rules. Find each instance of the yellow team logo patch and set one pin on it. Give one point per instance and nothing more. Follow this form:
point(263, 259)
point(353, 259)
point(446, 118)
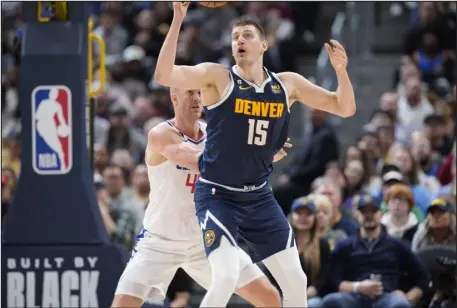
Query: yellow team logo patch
point(210, 236)
point(276, 88)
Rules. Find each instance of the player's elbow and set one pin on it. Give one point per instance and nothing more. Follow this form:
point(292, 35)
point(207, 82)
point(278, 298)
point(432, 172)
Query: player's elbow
point(348, 112)
point(161, 78)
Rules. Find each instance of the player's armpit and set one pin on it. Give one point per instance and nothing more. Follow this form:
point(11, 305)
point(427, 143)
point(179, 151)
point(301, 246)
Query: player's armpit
point(170, 145)
point(192, 77)
point(301, 89)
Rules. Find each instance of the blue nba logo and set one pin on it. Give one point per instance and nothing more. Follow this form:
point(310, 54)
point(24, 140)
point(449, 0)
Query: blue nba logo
point(51, 130)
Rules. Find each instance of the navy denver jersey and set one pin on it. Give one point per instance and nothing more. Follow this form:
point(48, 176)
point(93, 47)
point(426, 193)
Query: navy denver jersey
point(246, 128)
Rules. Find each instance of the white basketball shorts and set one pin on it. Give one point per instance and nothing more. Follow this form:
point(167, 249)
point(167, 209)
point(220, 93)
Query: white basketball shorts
point(155, 261)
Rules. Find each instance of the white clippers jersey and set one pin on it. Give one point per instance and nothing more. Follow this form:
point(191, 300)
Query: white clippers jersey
point(171, 210)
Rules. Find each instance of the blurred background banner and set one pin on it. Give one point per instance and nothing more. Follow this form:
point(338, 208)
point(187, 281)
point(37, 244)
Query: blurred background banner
point(399, 147)
point(56, 251)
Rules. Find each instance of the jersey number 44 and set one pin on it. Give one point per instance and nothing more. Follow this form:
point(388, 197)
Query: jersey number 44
point(191, 181)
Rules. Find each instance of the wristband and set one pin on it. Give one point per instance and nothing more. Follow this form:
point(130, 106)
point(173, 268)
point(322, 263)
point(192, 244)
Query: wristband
point(355, 287)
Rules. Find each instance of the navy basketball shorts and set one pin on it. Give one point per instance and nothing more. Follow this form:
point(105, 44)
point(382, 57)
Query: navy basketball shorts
point(255, 215)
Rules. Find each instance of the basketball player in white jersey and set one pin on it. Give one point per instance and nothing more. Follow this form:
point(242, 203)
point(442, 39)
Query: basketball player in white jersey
point(46, 126)
point(171, 235)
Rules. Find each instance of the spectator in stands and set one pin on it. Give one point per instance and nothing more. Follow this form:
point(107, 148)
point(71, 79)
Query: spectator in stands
point(399, 221)
point(314, 250)
point(389, 102)
point(341, 218)
point(101, 159)
point(140, 189)
point(115, 206)
point(386, 135)
point(444, 175)
point(439, 227)
point(354, 173)
point(429, 18)
point(369, 181)
point(435, 130)
point(448, 191)
point(433, 62)
point(136, 73)
point(413, 107)
point(114, 90)
point(11, 153)
point(428, 161)
point(9, 181)
point(379, 118)
point(334, 172)
point(369, 142)
point(366, 268)
point(408, 70)
point(320, 148)
point(352, 153)
point(113, 33)
point(444, 110)
point(122, 136)
point(323, 217)
point(142, 111)
point(427, 186)
point(124, 160)
point(392, 176)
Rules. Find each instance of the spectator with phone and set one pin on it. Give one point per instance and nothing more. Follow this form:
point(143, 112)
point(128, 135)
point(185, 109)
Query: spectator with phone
point(367, 268)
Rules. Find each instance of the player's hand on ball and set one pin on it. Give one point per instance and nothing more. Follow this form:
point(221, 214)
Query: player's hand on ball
point(282, 153)
point(337, 54)
point(63, 130)
point(180, 9)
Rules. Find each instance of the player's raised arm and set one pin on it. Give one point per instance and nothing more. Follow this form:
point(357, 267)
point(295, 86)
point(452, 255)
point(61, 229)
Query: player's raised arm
point(341, 102)
point(179, 76)
point(169, 144)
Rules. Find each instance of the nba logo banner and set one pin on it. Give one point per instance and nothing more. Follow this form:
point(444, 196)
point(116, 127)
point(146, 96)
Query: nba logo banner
point(52, 136)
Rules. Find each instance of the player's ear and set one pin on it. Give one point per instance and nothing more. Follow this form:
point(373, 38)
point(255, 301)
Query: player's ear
point(173, 97)
point(264, 45)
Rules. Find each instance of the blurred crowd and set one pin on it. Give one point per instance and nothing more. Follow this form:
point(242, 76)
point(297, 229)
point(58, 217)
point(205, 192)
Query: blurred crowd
point(395, 185)
point(366, 218)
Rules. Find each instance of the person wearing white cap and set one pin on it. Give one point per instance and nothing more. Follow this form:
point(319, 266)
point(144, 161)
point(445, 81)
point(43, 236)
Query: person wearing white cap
point(391, 178)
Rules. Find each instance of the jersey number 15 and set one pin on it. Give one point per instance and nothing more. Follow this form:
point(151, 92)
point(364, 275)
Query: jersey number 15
point(258, 132)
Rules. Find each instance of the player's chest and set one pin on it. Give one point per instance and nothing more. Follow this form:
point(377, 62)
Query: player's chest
point(265, 102)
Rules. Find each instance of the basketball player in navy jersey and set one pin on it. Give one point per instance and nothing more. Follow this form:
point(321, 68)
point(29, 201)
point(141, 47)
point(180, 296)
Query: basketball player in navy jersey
point(247, 110)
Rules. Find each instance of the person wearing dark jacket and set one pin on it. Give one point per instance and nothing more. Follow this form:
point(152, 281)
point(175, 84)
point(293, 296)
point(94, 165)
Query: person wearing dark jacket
point(319, 149)
point(367, 268)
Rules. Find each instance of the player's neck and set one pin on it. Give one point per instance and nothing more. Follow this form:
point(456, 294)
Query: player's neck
point(188, 127)
point(253, 73)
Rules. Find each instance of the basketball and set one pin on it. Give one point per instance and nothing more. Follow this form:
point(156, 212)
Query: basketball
point(213, 4)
